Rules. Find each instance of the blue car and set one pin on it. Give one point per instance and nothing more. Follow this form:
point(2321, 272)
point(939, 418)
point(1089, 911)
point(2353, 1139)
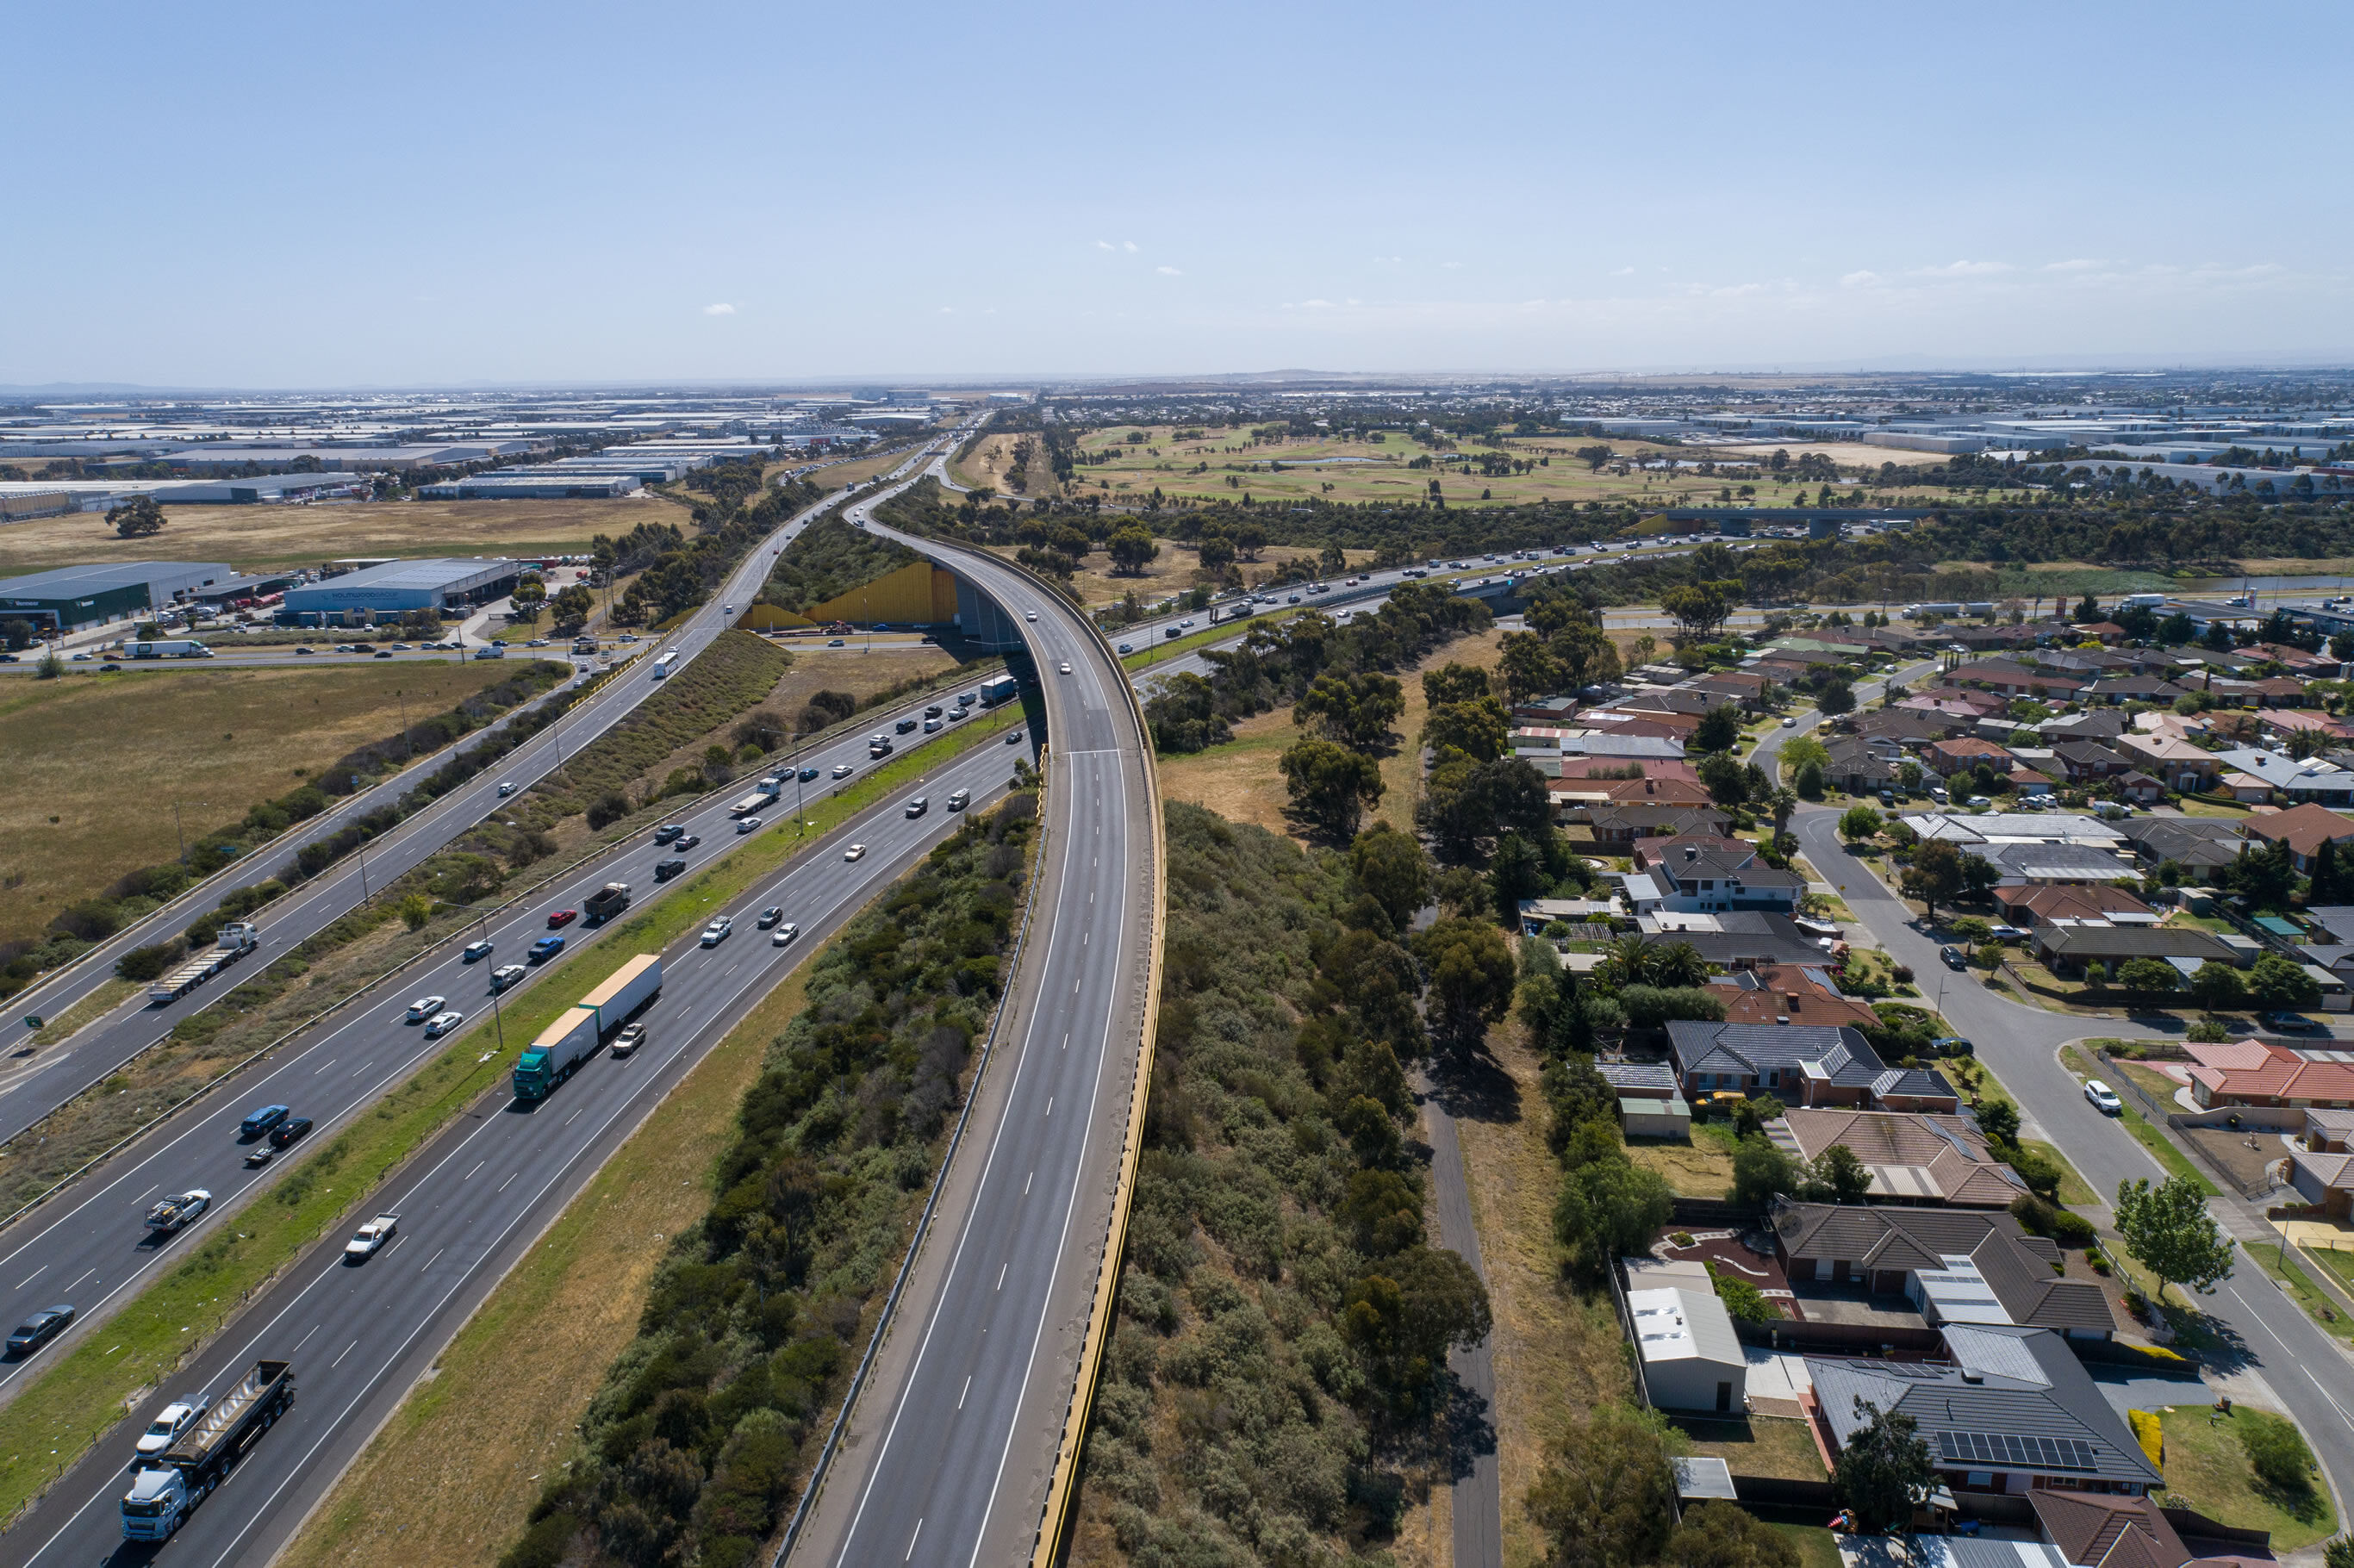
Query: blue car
point(546, 949)
point(262, 1121)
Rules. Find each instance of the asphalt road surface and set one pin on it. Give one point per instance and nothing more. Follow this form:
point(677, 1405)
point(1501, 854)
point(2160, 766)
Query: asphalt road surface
point(469, 1204)
point(87, 1246)
point(951, 1448)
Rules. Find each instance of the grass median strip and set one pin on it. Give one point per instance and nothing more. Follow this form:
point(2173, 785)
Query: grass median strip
point(75, 1402)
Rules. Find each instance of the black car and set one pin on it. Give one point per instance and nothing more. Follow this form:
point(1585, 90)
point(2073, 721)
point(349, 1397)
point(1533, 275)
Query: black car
point(288, 1132)
point(666, 869)
point(1953, 957)
point(38, 1329)
point(262, 1120)
point(667, 832)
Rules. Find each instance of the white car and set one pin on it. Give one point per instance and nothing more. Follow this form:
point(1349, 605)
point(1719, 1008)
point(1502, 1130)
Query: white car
point(1029, 615)
point(747, 825)
point(425, 1007)
point(170, 1422)
point(784, 934)
point(506, 790)
point(1067, 669)
point(2104, 1098)
point(1789, 722)
point(506, 975)
point(442, 1023)
point(716, 932)
point(370, 1237)
point(855, 852)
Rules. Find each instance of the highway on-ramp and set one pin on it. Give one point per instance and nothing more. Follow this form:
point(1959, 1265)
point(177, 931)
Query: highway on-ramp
point(950, 1449)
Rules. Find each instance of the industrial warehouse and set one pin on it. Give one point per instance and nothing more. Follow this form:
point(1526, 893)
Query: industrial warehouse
point(389, 591)
point(68, 598)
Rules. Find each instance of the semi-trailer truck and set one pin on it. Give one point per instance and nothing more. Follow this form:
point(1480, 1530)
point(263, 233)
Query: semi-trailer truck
point(169, 1486)
point(237, 939)
point(573, 1038)
point(605, 903)
point(763, 796)
point(168, 648)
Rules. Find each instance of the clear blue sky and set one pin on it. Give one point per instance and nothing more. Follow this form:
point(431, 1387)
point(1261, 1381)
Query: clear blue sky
point(307, 196)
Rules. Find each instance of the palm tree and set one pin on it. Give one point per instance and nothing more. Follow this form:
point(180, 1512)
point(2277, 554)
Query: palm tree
point(1628, 961)
point(1781, 804)
point(1678, 964)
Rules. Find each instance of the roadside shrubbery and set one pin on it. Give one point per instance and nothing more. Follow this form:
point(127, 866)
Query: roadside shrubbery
point(692, 1440)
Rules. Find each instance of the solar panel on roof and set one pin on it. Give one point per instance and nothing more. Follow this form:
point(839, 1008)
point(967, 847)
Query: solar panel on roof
point(2018, 1452)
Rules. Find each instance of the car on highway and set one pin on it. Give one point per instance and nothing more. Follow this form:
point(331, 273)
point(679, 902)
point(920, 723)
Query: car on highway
point(560, 918)
point(771, 916)
point(38, 1329)
point(784, 934)
point(425, 1007)
point(666, 869)
point(1029, 615)
point(301, 650)
point(170, 1422)
point(716, 932)
point(667, 832)
point(919, 806)
point(855, 852)
point(960, 799)
point(807, 774)
point(384, 652)
point(370, 1238)
point(2104, 1098)
point(260, 1121)
point(476, 949)
point(440, 1023)
point(1013, 738)
point(1951, 956)
point(1067, 669)
point(627, 1041)
point(506, 975)
point(289, 1133)
point(686, 841)
point(506, 790)
point(842, 770)
point(1127, 647)
point(82, 657)
point(747, 825)
point(544, 949)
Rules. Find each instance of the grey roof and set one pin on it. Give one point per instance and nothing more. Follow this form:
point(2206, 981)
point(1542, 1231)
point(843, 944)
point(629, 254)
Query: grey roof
point(70, 582)
point(1912, 1081)
point(2017, 1267)
point(1621, 746)
point(1636, 1076)
point(2013, 1398)
point(2057, 862)
point(2133, 942)
point(1700, 1477)
point(1704, 1047)
point(1747, 870)
point(426, 573)
point(1754, 935)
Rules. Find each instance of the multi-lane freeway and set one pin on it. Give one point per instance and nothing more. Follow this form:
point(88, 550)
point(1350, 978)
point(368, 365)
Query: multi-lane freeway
point(469, 1204)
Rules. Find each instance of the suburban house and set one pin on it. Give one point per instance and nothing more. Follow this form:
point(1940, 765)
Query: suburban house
point(2091, 1529)
point(1957, 1265)
point(1649, 1105)
point(2324, 1179)
point(2178, 765)
point(2197, 844)
point(1624, 822)
point(1914, 1158)
point(1742, 938)
point(1789, 993)
point(1947, 758)
point(1653, 852)
point(2252, 1073)
point(1860, 765)
point(2091, 724)
point(2141, 788)
point(1711, 882)
point(1622, 748)
point(1800, 1064)
point(2073, 950)
point(2312, 781)
point(2031, 903)
point(2014, 1411)
point(2333, 943)
point(2025, 863)
point(2304, 828)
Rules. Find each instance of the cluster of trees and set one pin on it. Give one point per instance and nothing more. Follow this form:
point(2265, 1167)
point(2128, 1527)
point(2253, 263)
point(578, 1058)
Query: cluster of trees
point(1278, 1271)
point(674, 574)
point(1278, 664)
point(827, 559)
point(694, 1439)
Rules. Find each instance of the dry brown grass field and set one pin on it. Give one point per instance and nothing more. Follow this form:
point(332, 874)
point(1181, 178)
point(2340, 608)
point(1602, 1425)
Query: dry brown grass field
point(96, 762)
point(987, 464)
point(254, 536)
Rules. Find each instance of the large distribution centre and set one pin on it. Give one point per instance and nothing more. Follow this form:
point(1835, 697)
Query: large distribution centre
point(70, 598)
point(389, 591)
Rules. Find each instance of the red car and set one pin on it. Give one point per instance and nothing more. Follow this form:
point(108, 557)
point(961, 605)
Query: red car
point(561, 918)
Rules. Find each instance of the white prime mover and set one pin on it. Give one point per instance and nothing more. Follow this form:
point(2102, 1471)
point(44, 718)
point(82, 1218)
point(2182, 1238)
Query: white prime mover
point(237, 939)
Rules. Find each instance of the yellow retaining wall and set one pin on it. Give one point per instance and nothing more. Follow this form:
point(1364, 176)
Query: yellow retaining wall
point(919, 593)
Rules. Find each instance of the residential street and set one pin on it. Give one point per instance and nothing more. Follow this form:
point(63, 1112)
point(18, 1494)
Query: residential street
point(2309, 1373)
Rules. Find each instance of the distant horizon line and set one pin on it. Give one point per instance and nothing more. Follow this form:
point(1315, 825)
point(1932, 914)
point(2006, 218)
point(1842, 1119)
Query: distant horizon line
point(2073, 367)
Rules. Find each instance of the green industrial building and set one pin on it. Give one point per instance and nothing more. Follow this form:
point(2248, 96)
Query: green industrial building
point(68, 598)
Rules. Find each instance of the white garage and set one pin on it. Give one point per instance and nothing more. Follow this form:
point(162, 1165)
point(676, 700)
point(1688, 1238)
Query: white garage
point(1691, 1360)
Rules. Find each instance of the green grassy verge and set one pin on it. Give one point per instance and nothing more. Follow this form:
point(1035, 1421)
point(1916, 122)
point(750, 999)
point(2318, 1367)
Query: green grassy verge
point(2276, 1260)
point(71, 1404)
point(1815, 1546)
point(1161, 653)
point(2206, 1468)
point(2074, 1191)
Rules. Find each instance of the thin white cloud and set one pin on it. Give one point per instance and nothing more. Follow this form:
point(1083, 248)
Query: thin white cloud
point(948, 310)
point(1864, 279)
point(1623, 272)
point(2079, 264)
point(719, 309)
point(1389, 259)
point(1129, 245)
point(1168, 271)
point(1105, 245)
point(1452, 266)
point(1962, 270)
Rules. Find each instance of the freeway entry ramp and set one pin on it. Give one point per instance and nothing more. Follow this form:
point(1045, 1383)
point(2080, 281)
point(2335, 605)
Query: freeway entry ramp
point(956, 1448)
